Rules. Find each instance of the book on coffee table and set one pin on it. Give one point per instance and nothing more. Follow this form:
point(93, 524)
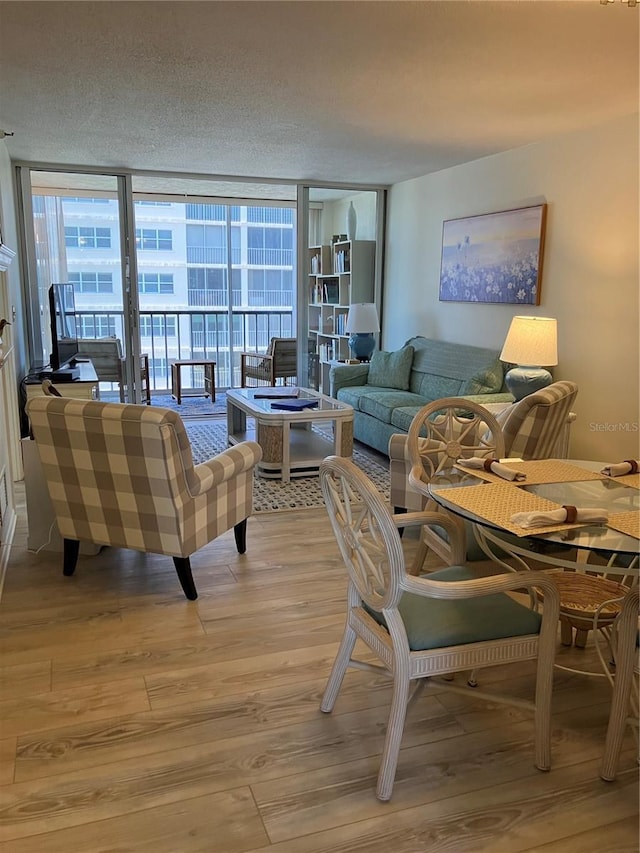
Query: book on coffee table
point(276, 393)
point(294, 405)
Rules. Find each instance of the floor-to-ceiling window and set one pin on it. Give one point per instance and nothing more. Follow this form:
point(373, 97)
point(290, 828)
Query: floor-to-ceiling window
point(213, 277)
point(205, 269)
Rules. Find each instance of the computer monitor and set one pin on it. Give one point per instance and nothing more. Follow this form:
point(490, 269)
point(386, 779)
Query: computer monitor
point(62, 315)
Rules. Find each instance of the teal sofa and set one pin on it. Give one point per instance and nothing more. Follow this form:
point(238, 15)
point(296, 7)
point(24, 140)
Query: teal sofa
point(387, 392)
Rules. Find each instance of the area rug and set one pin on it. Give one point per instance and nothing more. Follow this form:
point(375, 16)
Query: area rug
point(209, 438)
point(190, 407)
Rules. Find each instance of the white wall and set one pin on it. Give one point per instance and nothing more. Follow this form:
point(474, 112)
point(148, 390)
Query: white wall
point(8, 222)
point(590, 276)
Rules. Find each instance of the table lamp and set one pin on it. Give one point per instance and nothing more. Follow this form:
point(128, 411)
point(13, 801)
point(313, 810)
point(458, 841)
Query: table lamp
point(531, 344)
point(362, 322)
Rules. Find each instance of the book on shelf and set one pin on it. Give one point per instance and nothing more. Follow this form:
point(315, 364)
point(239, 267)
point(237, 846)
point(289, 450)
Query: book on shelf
point(331, 292)
point(341, 321)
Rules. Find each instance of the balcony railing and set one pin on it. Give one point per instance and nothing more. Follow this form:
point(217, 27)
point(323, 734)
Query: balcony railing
point(212, 255)
point(199, 334)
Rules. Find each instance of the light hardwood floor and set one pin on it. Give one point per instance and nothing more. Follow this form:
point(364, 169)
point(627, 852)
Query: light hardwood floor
point(134, 720)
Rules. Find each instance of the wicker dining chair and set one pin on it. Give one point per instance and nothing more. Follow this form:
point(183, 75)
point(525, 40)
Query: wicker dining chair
point(422, 628)
point(441, 433)
point(624, 702)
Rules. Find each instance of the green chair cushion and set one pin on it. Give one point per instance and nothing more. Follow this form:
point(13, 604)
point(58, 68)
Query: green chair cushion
point(433, 623)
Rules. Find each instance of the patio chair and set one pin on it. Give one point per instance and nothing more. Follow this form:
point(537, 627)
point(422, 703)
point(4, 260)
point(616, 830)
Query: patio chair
point(105, 355)
point(123, 475)
point(422, 628)
point(110, 364)
point(279, 362)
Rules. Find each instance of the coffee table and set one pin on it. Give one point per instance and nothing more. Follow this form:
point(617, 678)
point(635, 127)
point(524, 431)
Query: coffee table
point(290, 447)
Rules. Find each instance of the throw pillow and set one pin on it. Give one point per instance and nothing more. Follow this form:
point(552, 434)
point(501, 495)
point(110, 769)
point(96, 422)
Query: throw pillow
point(391, 369)
point(487, 381)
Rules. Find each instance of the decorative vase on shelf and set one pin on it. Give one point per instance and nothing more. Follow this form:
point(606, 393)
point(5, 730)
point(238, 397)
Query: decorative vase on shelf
point(352, 222)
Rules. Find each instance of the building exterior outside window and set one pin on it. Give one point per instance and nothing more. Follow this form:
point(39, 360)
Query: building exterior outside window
point(182, 267)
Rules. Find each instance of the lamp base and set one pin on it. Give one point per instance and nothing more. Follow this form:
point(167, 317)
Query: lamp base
point(362, 344)
point(522, 380)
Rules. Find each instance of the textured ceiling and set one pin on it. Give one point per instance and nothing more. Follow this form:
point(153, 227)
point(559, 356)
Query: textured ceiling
point(354, 92)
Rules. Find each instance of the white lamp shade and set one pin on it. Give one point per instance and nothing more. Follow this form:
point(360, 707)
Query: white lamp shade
point(362, 318)
point(531, 341)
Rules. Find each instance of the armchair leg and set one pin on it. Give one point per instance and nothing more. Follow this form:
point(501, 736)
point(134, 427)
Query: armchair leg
point(240, 533)
point(70, 556)
point(183, 569)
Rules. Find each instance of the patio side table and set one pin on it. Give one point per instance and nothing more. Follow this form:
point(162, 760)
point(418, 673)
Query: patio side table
point(209, 378)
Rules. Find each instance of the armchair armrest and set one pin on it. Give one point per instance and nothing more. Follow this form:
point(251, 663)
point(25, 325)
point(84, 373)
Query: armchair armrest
point(226, 465)
point(530, 581)
point(450, 524)
point(347, 375)
point(255, 365)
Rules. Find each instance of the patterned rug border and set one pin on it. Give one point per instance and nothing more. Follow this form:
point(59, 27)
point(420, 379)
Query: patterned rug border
point(210, 437)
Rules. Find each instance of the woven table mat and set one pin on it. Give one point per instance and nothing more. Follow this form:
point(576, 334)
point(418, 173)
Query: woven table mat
point(540, 471)
point(626, 522)
point(497, 502)
point(632, 480)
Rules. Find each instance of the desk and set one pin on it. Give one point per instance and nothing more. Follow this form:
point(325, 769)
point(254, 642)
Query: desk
point(84, 388)
point(209, 378)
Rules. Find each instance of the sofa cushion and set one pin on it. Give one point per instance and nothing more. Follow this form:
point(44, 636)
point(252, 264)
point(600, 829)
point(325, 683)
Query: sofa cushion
point(381, 403)
point(486, 381)
point(391, 369)
point(443, 369)
point(403, 415)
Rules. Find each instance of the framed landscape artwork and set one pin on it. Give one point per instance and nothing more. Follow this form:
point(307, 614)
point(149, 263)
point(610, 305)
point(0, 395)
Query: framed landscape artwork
point(495, 257)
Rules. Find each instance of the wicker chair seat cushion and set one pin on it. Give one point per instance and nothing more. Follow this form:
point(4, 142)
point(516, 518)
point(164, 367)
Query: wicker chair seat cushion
point(433, 623)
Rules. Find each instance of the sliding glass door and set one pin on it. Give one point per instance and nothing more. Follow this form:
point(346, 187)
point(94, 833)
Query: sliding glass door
point(76, 237)
point(215, 279)
point(207, 277)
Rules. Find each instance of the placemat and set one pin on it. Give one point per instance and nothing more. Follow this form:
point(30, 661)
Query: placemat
point(540, 471)
point(626, 522)
point(632, 480)
point(497, 502)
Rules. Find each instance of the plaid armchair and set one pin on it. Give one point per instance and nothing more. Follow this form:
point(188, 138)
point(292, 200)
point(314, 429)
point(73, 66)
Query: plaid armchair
point(279, 362)
point(123, 475)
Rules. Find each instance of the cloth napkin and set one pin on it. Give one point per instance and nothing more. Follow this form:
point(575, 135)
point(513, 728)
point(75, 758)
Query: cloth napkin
point(494, 466)
point(563, 515)
point(619, 469)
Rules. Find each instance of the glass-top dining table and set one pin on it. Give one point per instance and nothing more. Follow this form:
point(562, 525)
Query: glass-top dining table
point(614, 551)
point(604, 549)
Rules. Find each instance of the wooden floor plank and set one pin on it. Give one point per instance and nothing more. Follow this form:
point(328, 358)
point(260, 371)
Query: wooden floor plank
point(138, 720)
point(228, 821)
point(93, 702)
point(620, 836)
point(327, 797)
point(86, 745)
point(498, 819)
